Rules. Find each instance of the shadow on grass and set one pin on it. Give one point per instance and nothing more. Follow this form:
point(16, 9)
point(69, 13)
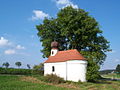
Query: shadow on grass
point(105, 81)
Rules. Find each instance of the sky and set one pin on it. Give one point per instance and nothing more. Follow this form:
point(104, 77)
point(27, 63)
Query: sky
point(18, 34)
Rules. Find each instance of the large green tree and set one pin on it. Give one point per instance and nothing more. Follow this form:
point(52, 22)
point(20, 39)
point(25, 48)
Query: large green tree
point(75, 29)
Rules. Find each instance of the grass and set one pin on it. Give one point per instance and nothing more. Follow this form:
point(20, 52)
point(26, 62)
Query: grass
point(13, 82)
point(112, 75)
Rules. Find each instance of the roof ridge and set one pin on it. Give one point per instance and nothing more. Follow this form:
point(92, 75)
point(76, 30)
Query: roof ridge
point(68, 50)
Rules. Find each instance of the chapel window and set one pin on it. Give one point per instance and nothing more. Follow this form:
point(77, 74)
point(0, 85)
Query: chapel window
point(53, 68)
point(52, 52)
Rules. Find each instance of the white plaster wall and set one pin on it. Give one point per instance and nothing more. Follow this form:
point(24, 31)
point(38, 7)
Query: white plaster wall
point(76, 70)
point(73, 70)
point(60, 69)
point(54, 52)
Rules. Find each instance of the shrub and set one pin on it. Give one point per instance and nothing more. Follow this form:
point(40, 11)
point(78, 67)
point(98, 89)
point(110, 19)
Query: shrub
point(92, 71)
point(51, 78)
point(40, 72)
point(38, 69)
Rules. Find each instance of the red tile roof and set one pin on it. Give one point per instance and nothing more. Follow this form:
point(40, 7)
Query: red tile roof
point(63, 56)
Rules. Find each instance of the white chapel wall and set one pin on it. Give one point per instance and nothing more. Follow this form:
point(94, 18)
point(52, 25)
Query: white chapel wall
point(60, 69)
point(73, 70)
point(76, 70)
point(54, 52)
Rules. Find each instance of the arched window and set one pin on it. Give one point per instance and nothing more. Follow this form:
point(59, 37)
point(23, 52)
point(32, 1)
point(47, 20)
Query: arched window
point(53, 68)
point(52, 52)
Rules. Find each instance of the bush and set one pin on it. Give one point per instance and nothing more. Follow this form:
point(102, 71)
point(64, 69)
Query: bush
point(51, 78)
point(40, 72)
point(38, 69)
point(92, 71)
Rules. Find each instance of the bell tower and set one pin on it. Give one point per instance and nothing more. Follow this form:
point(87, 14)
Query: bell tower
point(54, 46)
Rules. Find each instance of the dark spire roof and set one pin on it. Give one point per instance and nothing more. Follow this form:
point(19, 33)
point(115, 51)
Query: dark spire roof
point(54, 44)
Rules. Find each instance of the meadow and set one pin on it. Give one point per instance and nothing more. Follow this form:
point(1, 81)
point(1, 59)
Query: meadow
point(13, 82)
point(23, 82)
point(111, 75)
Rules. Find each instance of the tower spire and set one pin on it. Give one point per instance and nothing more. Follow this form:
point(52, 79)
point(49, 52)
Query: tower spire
point(54, 46)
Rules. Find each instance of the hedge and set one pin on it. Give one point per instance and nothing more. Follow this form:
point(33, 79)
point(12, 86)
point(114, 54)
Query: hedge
point(14, 71)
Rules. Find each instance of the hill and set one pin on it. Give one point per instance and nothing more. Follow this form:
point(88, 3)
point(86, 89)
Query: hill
point(107, 71)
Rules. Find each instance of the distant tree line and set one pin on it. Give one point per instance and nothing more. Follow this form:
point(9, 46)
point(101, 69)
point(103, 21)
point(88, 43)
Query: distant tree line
point(117, 70)
point(37, 69)
point(107, 71)
point(18, 64)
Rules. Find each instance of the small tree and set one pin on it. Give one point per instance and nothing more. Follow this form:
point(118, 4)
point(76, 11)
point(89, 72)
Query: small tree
point(118, 68)
point(39, 67)
point(3, 64)
point(28, 66)
point(18, 64)
point(6, 64)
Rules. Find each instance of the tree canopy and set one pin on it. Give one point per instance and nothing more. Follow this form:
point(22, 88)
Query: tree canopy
point(74, 29)
point(39, 67)
point(28, 65)
point(18, 64)
point(118, 68)
point(6, 64)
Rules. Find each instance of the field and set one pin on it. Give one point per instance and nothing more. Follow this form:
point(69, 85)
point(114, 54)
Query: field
point(20, 82)
point(112, 75)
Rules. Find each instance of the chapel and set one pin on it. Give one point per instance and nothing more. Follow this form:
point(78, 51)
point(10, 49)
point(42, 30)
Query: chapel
point(68, 64)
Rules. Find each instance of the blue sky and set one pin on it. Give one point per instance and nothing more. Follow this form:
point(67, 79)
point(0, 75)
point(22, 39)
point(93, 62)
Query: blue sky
point(18, 35)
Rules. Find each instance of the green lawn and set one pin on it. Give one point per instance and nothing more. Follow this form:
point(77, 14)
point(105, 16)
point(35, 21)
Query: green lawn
point(12, 82)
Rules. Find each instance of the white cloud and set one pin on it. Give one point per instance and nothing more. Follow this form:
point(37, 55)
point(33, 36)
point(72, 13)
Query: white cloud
point(9, 51)
point(65, 3)
point(39, 15)
point(62, 1)
point(20, 47)
point(4, 42)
